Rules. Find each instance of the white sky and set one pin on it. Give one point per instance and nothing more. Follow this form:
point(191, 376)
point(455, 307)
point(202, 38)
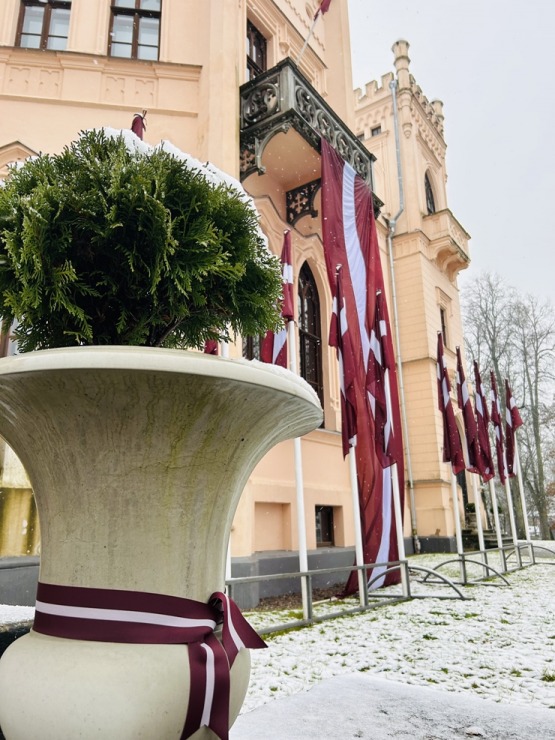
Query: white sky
point(491, 63)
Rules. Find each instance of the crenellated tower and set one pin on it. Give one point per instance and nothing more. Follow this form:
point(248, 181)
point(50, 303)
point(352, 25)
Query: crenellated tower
point(427, 248)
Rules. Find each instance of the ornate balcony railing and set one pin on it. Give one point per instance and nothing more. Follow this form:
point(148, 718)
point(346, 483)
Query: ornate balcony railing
point(281, 99)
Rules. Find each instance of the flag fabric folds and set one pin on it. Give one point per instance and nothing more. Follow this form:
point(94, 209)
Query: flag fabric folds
point(378, 386)
point(484, 460)
point(470, 427)
point(452, 447)
point(350, 240)
point(513, 422)
point(340, 338)
point(211, 347)
point(273, 348)
point(323, 8)
point(498, 429)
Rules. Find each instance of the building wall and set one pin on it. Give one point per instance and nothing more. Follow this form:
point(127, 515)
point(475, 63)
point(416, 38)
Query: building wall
point(191, 95)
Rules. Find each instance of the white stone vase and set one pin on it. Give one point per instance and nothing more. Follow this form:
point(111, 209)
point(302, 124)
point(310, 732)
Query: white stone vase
point(138, 458)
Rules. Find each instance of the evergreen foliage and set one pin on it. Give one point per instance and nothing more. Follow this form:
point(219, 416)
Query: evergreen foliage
point(101, 245)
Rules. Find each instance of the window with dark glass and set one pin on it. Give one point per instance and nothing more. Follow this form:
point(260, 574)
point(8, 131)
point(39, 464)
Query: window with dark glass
point(256, 51)
point(251, 348)
point(43, 24)
point(324, 526)
point(135, 29)
point(310, 333)
point(443, 320)
point(430, 203)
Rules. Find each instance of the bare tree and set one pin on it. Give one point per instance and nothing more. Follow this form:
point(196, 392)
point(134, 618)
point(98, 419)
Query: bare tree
point(534, 341)
point(514, 335)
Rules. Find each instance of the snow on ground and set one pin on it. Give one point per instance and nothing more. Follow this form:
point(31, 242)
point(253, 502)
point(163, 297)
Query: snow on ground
point(497, 644)
point(431, 668)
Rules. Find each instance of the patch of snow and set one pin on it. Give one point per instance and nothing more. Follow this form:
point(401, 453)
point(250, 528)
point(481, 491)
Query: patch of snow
point(497, 647)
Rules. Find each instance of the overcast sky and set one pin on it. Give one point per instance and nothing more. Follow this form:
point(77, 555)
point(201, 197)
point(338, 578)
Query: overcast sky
point(492, 63)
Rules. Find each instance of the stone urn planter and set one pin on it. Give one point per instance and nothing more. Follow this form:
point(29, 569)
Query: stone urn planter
point(138, 458)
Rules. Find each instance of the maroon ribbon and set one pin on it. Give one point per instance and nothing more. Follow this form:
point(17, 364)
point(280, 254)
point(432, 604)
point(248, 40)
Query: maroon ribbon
point(112, 615)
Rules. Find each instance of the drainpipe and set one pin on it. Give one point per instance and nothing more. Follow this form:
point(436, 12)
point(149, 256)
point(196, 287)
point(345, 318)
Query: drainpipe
point(391, 232)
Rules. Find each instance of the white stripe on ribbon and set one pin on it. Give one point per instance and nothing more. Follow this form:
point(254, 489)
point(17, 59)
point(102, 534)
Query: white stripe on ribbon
point(287, 273)
point(232, 630)
point(210, 685)
point(120, 615)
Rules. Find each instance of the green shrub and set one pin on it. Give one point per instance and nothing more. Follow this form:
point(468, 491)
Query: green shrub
point(103, 244)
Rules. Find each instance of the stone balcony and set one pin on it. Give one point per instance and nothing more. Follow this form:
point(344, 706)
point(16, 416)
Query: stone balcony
point(283, 119)
point(448, 242)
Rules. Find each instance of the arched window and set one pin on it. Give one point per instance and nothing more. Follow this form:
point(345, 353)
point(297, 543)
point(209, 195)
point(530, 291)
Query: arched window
point(430, 202)
point(310, 332)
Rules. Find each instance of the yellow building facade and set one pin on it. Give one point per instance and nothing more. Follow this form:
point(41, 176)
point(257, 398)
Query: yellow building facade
point(223, 80)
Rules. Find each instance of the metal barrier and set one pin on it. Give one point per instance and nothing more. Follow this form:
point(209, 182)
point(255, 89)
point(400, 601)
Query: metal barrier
point(372, 599)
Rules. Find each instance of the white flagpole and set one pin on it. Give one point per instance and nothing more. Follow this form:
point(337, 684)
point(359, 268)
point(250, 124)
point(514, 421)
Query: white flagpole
point(224, 350)
point(457, 520)
point(493, 496)
point(359, 552)
point(399, 529)
point(478, 510)
point(511, 509)
point(310, 32)
point(299, 485)
point(523, 501)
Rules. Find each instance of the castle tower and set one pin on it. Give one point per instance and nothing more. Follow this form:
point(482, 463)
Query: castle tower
point(428, 248)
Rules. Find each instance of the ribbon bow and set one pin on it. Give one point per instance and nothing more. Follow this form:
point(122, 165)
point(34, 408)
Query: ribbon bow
point(112, 615)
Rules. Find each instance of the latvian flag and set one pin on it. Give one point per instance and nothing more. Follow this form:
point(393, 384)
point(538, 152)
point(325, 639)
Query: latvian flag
point(350, 240)
point(498, 429)
point(452, 447)
point(513, 422)
point(378, 385)
point(323, 8)
point(274, 346)
point(484, 460)
point(340, 338)
point(470, 428)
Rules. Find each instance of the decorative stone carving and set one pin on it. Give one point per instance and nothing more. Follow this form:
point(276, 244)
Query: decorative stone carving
point(282, 98)
point(300, 201)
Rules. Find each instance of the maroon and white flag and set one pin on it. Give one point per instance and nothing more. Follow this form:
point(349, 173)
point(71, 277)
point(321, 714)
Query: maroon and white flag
point(498, 429)
point(452, 447)
point(340, 338)
point(273, 347)
point(378, 386)
point(323, 8)
point(138, 124)
point(484, 460)
point(513, 422)
point(470, 427)
point(350, 240)
point(211, 347)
